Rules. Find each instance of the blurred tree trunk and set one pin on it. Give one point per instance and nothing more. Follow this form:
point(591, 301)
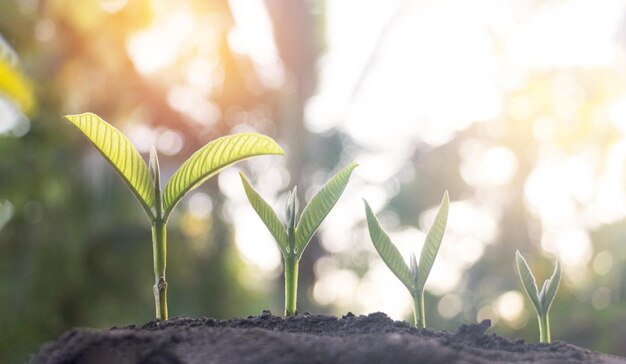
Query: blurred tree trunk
point(295, 35)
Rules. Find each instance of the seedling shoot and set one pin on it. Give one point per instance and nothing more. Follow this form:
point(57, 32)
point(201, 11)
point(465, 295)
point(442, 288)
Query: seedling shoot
point(414, 276)
point(144, 180)
point(542, 300)
point(293, 238)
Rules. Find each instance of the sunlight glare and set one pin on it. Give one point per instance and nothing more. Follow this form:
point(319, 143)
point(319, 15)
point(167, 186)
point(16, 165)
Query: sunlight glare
point(254, 29)
point(160, 45)
point(510, 305)
point(449, 306)
point(603, 262)
point(254, 242)
point(554, 36)
point(381, 291)
point(336, 287)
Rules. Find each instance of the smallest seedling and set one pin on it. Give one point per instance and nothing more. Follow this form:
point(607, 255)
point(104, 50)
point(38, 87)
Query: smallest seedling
point(542, 300)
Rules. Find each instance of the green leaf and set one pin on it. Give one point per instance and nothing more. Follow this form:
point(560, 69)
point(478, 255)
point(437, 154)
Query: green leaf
point(267, 215)
point(552, 285)
point(211, 159)
point(433, 241)
point(320, 205)
point(387, 251)
point(121, 154)
point(528, 281)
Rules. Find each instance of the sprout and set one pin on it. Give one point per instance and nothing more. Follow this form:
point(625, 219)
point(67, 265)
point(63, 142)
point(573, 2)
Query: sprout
point(542, 300)
point(293, 239)
point(144, 180)
point(413, 277)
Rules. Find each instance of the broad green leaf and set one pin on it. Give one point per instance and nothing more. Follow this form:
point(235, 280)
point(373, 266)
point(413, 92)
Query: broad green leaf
point(552, 285)
point(211, 159)
point(320, 205)
point(121, 154)
point(528, 281)
point(433, 241)
point(387, 251)
point(267, 215)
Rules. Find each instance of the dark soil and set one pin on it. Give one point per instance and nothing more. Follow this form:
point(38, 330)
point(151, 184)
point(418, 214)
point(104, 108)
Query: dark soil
point(303, 339)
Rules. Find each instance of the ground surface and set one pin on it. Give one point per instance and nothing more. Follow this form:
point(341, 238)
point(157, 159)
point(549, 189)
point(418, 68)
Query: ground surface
point(303, 339)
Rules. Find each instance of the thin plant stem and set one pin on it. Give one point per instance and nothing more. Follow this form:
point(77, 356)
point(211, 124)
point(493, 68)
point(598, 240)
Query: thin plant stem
point(159, 251)
point(291, 285)
point(544, 328)
point(419, 317)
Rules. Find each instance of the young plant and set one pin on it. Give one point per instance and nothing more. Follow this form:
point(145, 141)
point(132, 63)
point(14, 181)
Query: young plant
point(144, 180)
point(542, 300)
point(413, 277)
point(293, 238)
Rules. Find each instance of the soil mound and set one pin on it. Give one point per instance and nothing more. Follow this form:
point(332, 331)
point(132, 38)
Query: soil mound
point(303, 339)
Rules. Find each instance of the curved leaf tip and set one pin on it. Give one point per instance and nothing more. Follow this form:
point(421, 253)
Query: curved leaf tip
point(433, 242)
point(387, 251)
point(320, 206)
point(120, 153)
point(267, 215)
point(211, 159)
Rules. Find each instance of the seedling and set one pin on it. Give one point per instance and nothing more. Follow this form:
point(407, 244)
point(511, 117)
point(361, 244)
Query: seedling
point(144, 180)
point(413, 277)
point(542, 300)
point(293, 238)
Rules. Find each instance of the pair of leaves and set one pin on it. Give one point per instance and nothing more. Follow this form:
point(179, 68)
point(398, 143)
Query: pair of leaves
point(414, 277)
point(203, 164)
point(312, 216)
point(541, 300)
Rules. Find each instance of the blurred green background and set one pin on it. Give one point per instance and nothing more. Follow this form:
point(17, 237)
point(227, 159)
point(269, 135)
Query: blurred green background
point(517, 108)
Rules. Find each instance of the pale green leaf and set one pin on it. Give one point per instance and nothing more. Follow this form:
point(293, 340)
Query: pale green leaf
point(552, 285)
point(433, 241)
point(413, 268)
point(211, 159)
point(320, 205)
point(528, 281)
point(267, 215)
point(542, 292)
point(387, 251)
point(120, 153)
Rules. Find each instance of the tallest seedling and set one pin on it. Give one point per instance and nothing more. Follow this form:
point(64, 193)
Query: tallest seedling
point(145, 181)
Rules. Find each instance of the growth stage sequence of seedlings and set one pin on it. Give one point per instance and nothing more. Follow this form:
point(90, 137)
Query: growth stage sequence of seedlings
point(292, 237)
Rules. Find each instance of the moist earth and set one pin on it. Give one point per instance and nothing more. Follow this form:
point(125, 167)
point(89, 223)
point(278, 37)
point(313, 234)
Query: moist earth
point(302, 339)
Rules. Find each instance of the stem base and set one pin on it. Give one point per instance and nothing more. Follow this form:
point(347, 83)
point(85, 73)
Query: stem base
point(291, 285)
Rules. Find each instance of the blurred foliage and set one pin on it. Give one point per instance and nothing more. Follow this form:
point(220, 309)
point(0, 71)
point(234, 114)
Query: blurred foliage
point(14, 85)
point(75, 247)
